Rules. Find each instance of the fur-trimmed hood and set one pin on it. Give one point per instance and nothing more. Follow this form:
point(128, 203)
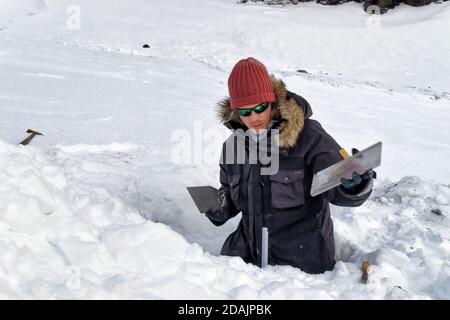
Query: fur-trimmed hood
point(293, 110)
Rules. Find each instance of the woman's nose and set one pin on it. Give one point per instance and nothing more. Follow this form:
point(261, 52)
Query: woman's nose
point(254, 116)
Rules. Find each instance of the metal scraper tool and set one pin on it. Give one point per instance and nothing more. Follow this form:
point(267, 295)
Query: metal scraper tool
point(360, 162)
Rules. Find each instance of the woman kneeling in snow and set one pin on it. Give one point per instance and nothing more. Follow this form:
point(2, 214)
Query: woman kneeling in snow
point(299, 225)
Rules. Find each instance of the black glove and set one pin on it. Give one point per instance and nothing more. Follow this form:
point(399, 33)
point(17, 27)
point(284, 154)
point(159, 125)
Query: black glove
point(218, 218)
point(358, 181)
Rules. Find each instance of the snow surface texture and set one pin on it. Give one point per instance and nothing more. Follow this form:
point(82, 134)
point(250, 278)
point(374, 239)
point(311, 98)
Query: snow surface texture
point(97, 208)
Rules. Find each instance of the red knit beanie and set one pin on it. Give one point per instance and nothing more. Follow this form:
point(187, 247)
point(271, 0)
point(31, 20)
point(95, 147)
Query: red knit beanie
point(249, 83)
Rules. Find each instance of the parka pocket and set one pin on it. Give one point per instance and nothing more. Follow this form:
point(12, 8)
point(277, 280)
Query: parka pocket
point(287, 189)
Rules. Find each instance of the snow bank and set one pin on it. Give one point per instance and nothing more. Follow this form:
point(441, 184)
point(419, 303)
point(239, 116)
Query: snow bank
point(81, 148)
point(63, 236)
point(404, 230)
point(13, 10)
point(71, 211)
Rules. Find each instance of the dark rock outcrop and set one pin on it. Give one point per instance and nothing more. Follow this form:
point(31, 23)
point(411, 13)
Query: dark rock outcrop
point(370, 6)
point(379, 6)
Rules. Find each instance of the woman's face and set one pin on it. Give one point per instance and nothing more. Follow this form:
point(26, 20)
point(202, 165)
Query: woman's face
point(257, 121)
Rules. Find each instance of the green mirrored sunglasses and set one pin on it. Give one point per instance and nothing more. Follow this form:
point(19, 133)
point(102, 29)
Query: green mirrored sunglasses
point(260, 108)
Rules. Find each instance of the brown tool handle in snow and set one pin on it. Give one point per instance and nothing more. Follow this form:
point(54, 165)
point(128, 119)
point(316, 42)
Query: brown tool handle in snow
point(365, 271)
point(30, 137)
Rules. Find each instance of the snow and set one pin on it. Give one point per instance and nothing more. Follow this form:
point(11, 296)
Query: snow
point(97, 207)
